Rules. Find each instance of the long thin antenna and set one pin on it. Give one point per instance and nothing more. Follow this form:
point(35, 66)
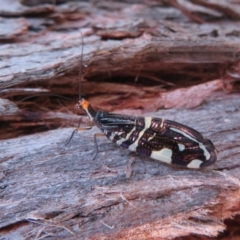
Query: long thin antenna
point(80, 67)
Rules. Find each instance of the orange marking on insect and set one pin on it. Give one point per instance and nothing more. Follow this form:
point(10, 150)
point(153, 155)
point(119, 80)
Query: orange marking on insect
point(83, 104)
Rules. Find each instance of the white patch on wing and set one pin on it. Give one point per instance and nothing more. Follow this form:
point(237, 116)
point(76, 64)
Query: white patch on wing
point(161, 126)
point(181, 146)
point(112, 136)
point(205, 151)
point(148, 121)
point(129, 134)
point(195, 163)
point(150, 138)
point(120, 141)
point(164, 155)
point(134, 145)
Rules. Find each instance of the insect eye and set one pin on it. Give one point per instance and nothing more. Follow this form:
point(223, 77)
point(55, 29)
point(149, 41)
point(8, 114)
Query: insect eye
point(78, 106)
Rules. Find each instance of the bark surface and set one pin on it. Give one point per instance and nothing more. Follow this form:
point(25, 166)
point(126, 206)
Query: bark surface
point(176, 60)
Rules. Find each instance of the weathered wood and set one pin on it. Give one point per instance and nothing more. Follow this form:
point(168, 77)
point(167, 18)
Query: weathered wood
point(59, 190)
point(149, 56)
point(10, 28)
point(9, 92)
point(7, 108)
point(160, 59)
point(144, 99)
point(229, 8)
point(15, 8)
point(185, 49)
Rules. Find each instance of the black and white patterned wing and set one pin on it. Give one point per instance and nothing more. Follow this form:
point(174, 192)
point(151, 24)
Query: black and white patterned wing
point(174, 143)
point(162, 140)
point(118, 128)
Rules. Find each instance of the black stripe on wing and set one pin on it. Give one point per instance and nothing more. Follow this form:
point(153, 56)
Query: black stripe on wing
point(116, 126)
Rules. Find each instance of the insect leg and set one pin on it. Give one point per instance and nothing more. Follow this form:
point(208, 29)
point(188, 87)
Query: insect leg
point(76, 130)
point(95, 141)
point(79, 129)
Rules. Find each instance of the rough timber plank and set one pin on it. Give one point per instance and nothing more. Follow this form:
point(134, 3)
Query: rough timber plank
point(11, 28)
point(60, 189)
point(43, 61)
point(49, 190)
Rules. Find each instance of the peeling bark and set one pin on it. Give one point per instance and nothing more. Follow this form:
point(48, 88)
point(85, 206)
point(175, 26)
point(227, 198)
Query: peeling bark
point(144, 58)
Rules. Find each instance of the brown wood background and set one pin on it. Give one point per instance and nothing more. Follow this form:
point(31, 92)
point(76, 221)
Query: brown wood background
point(173, 59)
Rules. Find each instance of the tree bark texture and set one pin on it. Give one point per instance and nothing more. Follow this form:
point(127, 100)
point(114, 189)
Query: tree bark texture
point(176, 60)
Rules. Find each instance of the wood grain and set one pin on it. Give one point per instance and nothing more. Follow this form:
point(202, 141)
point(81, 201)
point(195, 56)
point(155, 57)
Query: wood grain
point(142, 58)
point(61, 189)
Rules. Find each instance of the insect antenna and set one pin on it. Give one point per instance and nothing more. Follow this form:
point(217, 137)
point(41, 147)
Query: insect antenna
point(80, 68)
point(89, 108)
point(79, 89)
point(45, 94)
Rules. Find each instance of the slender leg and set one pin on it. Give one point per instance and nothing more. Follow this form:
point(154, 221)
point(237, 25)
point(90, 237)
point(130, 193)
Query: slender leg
point(95, 141)
point(76, 130)
point(79, 129)
point(129, 169)
point(86, 128)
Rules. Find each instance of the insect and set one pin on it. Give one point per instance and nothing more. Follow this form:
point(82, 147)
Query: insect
point(159, 139)
point(163, 140)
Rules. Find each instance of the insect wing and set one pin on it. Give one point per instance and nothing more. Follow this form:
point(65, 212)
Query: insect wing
point(178, 144)
point(118, 128)
point(162, 140)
